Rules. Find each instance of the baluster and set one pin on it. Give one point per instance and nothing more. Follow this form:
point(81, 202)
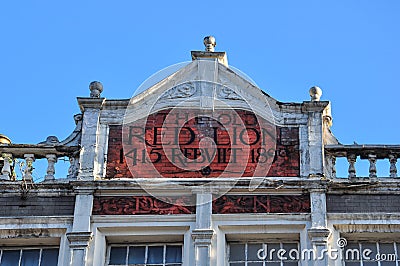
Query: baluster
point(333, 166)
point(372, 165)
point(29, 159)
point(6, 170)
point(352, 160)
point(51, 160)
point(393, 169)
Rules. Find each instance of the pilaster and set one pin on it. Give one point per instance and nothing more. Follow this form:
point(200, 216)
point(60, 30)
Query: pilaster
point(315, 136)
point(78, 244)
point(203, 233)
point(81, 234)
point(91, 113)
point(319, 233)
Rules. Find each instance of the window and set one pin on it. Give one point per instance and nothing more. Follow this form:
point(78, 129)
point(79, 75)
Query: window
point(143, 255)
point(372, 254)
point(28, 256)
point(263, 254)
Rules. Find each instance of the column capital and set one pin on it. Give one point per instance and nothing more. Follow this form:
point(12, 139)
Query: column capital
point(79, 239)
point(314, 106)
point(319, 236)
point(90, 103)
point(202, 237)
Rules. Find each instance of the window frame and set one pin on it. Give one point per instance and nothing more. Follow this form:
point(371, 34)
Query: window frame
point(361, 243)
point(22, 248)
point(264, 244)
point(146, 245)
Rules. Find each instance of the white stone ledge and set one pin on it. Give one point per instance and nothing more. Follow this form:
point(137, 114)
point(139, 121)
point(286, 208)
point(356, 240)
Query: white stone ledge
point(34, 221)
point(264, 218)
point(124, 220)
point(368, 218)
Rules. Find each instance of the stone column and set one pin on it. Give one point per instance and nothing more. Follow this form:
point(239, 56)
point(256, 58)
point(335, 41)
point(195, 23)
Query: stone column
point(203, 233)
point(81, 234)
point(91, 112)
point(319, 233)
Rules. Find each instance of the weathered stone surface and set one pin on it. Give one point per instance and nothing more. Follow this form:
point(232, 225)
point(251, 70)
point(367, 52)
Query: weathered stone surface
point(37, 206)
point(363, 203)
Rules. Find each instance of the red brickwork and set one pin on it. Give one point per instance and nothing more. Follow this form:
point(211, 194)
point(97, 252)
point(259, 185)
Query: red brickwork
point(183, 144)
point(261, 204)
point(142, 205)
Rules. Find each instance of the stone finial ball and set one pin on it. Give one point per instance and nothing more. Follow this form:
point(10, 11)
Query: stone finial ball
point(315, 93)
point(210, 40)
point(210, 43)
point(96, 89)
point(4, 139)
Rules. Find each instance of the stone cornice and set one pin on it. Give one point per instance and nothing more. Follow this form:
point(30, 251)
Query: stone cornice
point(311, 107)
point(220, 56)
point(113, 104)
point(90, 103)
point(39, 151)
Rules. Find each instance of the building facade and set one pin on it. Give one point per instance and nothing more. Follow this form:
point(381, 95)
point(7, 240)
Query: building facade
point(200, 168)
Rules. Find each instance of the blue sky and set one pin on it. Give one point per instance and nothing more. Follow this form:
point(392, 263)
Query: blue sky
point(51, 51)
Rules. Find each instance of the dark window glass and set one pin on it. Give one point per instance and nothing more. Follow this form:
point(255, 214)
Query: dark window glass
point(155, 254)
point(49, 257)
point(236, 264)
point(118, 256)
point(174, 254)
point(30, 257)
point(252, 251)
point(290, 263)
point(10, 258)
point(236, 252)
point(137, 255)
point(273, 251)
point(352, 263)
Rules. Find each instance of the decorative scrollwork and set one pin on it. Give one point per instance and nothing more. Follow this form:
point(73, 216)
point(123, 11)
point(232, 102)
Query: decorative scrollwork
point(262, 204)
point(142, 205)
point(228, 93)
point(184, 90)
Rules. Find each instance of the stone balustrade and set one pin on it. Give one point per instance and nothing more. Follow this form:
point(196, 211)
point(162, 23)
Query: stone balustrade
point(30, 153)
point(372, 153)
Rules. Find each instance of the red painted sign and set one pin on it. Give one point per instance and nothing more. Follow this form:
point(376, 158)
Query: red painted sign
point(182, 144)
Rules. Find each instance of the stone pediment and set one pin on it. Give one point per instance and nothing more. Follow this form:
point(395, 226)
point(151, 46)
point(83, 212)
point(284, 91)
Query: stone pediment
point(208, 85)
